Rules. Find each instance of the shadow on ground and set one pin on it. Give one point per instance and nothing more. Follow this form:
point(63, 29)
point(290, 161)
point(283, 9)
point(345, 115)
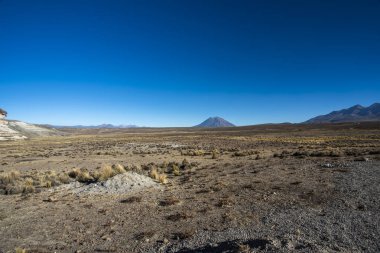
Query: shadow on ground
point(230, 246)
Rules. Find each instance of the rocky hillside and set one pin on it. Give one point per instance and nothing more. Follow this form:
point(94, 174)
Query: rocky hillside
point(18, 130)
point(215, 122)
point(355, 113)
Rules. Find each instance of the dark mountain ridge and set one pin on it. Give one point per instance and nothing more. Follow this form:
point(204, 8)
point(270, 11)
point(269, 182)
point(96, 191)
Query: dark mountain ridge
point(215, 122)
point(356, 113)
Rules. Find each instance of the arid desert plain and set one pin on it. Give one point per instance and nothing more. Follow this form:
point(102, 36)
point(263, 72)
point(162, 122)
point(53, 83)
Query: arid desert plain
point(265, 188)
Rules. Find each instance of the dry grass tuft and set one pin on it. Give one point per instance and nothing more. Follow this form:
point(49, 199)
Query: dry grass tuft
point(154, 174)
point(185, 163)
point(119, 169)
point(10, 177)
point(102, 174)
point(215, 154)
point(28, 186)
point(20, 250)
point(175, 170)
point(105, 173)
point(64, 178)
point(47, 184)
point(74, 172)
point(84, 176)
point(163, 178)
point(196, 152)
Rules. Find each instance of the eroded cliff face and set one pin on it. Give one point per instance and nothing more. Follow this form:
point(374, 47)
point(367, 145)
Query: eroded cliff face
point(18, 130)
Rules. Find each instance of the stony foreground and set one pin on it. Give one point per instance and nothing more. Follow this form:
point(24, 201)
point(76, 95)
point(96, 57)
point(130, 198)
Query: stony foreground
point(279, 189)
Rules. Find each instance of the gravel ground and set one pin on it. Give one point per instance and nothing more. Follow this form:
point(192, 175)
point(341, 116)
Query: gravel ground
point(278, 189)
point(349, 222)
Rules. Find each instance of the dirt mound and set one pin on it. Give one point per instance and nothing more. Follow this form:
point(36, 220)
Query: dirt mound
point(120, 184)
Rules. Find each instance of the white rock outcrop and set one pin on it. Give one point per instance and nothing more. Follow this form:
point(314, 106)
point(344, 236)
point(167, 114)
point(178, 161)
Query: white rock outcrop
point(18, 130)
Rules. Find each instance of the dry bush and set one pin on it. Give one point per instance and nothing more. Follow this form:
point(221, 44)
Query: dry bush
point(102, 174)
point(163, 178)
point(44, 181)
point(136, 168)
point(29, 181)
point(13, 183)
point(105, 173)
point(12, 189)
point(47, 184)
point(154, 174)
point(50, 179)
point(118, 168)
point(74, 172)
point(164, 164)
point(28, 186)
point(84, 176)
point(175, 170)
point(9, 177)
point(20, 250)
point(215, 154)
point(64, 178)
point(185, 164)
point(193, 152)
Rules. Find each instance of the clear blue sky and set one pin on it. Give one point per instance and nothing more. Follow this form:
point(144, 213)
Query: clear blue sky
point(177, 62)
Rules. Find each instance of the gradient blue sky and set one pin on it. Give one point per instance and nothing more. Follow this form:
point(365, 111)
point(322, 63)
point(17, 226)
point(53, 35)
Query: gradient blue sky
point(175, 63)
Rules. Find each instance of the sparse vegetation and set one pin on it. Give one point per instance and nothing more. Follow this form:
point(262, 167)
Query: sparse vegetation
point(215, 154)
point(193, 152)
point(175, 170)
point(118, 168)
point(204, 195)
point(154, 174)
point(13, 182)
point(104, 173)
point(20, 250)
point(84, 176)
point(10, 177)
point(162, 178)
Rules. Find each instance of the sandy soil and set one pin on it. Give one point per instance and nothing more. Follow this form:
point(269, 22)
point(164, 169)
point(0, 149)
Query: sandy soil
point(274, 188)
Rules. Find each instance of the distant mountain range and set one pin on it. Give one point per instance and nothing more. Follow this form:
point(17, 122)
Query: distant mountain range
point(215, 122)
point(104, 126)
point(355, 113)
